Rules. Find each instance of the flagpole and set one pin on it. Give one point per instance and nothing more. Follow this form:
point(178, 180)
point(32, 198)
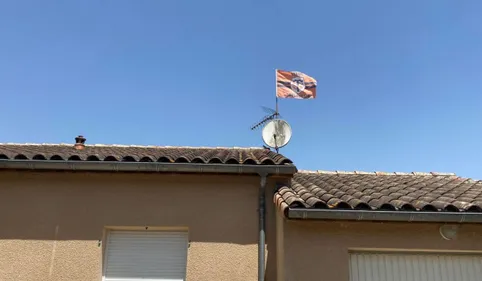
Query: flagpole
point(276, 89)
point(277, 106)
point(276, 94)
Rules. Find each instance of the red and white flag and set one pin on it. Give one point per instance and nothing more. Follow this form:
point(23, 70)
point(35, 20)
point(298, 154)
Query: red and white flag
point(294, 84)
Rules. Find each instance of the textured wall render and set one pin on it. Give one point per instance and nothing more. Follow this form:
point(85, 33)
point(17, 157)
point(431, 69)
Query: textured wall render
point(52, 222)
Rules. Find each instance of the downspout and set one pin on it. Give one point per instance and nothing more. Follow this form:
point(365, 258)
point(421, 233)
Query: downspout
point(262, 227)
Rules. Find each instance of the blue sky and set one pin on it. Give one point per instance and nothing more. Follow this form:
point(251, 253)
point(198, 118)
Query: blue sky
point(399, 82)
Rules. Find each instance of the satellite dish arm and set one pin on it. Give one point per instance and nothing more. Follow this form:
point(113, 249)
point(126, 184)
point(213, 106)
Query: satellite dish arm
point(275, 144)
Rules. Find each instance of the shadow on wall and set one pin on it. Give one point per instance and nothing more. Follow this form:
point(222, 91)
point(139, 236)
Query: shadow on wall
point(218, 208)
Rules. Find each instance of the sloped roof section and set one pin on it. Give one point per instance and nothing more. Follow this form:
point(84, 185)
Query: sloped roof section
point(431, 192)
point(126, 153)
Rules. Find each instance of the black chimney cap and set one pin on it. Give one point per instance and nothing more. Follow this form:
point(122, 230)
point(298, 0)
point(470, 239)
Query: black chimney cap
point(80, 139)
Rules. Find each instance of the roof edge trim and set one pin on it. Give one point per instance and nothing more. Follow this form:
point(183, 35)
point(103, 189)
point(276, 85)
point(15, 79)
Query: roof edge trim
point(146, 167)
point(388, 216)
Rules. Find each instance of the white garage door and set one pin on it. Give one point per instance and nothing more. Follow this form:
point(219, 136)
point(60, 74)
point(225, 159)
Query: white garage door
point(146, 256)
point(415, 267)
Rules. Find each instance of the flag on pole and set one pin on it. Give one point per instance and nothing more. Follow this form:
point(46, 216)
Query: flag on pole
point(294, 84)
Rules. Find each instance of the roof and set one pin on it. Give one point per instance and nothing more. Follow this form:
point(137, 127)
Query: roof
point(134, 153)
point(431, 192)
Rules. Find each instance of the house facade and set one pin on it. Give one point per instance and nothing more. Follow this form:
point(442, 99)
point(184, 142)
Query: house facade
point(97, 212)
point(350, 226)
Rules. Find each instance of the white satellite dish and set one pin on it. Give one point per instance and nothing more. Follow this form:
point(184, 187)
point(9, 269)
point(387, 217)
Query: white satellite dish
point(276, 133)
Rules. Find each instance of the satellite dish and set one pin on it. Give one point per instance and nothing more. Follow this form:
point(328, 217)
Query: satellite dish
point(276, 133)
point(449, 231)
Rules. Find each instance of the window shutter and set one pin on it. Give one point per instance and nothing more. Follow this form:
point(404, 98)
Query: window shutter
point(146, 256)
point(415, 267)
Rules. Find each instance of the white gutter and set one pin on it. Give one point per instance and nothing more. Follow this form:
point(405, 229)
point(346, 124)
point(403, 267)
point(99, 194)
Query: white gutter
point(388, 216)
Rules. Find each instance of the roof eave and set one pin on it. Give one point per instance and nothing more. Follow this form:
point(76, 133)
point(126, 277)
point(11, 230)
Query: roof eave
point(146, 167)
point(386, 216)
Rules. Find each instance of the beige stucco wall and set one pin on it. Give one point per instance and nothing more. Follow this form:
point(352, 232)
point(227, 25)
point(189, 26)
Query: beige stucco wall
point(51, 223)
point(316, 250)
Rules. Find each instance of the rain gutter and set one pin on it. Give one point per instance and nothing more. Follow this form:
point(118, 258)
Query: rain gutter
point(146, 167)
point(387, 216)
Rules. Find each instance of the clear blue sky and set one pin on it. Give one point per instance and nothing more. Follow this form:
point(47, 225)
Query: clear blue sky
point(399, 82)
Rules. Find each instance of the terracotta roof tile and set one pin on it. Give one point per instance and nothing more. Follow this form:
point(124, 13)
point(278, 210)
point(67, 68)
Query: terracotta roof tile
point(132, 153)
point(381, 191)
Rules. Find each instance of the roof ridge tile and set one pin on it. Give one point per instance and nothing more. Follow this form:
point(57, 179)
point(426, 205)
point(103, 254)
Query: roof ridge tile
point(442, 174)
point(363, 173)
point(138, 153)
point(134, 145)
point(325, 172)
point(421, 174)
point(378, 173)
point(307, 172)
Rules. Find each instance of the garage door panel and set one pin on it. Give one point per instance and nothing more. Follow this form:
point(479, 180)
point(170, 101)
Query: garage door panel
point(414, 267)
point(137, 255)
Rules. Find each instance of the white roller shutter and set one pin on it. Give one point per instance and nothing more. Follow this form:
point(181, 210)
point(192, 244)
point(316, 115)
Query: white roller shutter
point(415, 267)
point(146, 256)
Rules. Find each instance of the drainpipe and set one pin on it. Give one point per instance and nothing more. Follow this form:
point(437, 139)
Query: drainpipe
point(262, 227)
